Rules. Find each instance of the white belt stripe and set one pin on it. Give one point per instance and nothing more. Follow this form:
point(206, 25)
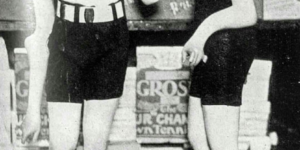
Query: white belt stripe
point(100, 14)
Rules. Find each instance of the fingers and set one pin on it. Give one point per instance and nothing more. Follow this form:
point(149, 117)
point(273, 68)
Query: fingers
point(205, 58)
point(24, 133)
point(28, 135)
point(25, 136)
point(197, 60)
point(194, 57)
point(184, 56)
point(187, 56)
point(199, 56)
point(35, 136)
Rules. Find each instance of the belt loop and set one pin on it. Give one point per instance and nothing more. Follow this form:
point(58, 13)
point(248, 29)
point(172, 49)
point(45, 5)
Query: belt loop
point(62, 10)
point(63, 24)
point(114, 11)
point(123, 8)
point(76, 14)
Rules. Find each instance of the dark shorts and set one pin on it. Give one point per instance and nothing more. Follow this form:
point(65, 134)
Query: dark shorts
point(87, 61)
point(220, 80)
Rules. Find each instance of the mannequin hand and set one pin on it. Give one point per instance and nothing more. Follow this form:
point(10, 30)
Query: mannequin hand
point(31, 127)
point(193, 53)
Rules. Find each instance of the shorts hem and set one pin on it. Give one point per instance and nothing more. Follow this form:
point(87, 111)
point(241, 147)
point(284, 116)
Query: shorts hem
point(100, 98)
point(219, 100)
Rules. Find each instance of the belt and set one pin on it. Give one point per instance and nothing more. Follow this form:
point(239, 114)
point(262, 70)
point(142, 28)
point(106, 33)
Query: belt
point(89, 14)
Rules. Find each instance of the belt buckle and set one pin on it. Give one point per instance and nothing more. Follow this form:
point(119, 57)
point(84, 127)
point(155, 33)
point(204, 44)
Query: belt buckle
point(89, 15)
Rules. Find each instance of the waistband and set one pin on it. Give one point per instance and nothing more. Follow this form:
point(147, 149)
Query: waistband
point(89, 14)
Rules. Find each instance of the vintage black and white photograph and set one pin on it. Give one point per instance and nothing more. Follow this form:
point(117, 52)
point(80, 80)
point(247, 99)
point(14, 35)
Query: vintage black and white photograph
point(149, 74)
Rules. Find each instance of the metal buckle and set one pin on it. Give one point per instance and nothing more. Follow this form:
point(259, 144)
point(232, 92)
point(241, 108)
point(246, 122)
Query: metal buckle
point(89, 15)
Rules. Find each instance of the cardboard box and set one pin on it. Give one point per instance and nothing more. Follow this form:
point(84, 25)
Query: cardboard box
point(281, 10)
point(162, 93)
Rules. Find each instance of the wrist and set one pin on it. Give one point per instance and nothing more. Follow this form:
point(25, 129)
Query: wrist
point(197, 43)
point(33, 110)
point(33, 113)
point(36, 38)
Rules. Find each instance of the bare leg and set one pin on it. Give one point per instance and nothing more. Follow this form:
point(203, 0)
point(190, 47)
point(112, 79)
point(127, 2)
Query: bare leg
point(97, 121)
point(4, 136)
point(222, 126)
point(64, 125)
point(196, 130)
point(5, 112)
